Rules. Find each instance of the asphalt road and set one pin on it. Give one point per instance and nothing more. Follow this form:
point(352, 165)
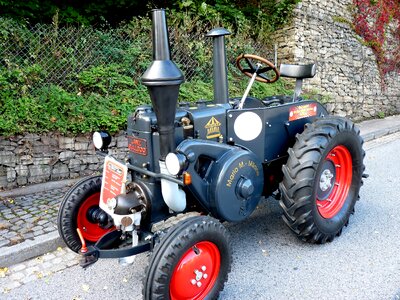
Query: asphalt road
point(270, 262)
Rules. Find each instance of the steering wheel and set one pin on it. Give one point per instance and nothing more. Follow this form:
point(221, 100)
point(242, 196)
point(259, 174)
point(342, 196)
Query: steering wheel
point(261, 77)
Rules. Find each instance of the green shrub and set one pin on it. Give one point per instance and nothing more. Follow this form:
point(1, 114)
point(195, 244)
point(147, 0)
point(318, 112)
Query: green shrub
point(80, 79)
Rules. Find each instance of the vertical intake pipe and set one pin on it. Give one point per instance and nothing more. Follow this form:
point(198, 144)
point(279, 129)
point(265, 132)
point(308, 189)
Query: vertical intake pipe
point(163, 79)
point(219, 65)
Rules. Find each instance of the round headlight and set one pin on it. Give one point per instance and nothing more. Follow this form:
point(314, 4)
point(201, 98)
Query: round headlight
point(101, 140)
point(175, 163)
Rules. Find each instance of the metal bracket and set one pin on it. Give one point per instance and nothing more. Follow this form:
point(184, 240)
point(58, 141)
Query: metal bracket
point(103, 248)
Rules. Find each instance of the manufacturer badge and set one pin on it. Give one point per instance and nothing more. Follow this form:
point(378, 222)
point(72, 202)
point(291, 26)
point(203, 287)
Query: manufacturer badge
point(137, 145)
point(302, 111)
point(213, 128)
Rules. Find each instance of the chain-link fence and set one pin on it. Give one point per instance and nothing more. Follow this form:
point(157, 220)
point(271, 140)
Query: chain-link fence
point(45, 54)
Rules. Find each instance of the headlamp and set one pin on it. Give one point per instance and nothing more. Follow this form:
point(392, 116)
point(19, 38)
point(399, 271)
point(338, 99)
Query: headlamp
point(175, 163)
point(101, 140)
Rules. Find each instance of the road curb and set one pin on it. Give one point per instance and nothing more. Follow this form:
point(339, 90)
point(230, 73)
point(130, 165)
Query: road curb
point(379, 133)
point(37, 188)
point(30, 248)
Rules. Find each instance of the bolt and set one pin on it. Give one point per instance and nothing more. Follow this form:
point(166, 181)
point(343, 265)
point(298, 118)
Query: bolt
point(199, 284)
point(205, 276)
point(193, 281)
point(199, 275)
point(203, 268)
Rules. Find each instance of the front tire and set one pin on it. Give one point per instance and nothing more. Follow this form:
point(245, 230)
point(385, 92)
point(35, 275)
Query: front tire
point(322, 179)
point(74, 213)
point(192, 261)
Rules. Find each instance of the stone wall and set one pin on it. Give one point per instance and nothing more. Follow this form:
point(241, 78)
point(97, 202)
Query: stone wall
point(33, 159)
point(347, 70)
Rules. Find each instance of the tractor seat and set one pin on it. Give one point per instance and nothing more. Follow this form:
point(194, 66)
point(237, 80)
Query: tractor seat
point(298, 71)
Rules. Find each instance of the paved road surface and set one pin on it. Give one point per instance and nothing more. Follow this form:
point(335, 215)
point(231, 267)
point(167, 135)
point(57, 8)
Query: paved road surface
point(269, 262)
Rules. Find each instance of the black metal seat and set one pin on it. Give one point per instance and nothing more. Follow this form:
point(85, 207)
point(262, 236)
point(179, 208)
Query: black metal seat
point(298, 71)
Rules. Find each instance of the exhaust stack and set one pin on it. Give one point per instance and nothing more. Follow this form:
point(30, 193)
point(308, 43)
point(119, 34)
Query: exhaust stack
point(220, 77)
point(163, 79)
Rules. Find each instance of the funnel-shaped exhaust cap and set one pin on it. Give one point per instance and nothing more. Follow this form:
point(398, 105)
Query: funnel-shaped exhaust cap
point(163, 79)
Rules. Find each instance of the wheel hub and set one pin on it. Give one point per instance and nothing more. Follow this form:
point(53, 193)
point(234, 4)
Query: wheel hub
point(335, 181)
point(325, 182)
point(199, 276)
point(196, 273)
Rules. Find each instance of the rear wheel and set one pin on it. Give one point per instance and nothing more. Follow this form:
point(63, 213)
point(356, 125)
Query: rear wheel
point(192, 261)
point(322, 179)
point(80, 209)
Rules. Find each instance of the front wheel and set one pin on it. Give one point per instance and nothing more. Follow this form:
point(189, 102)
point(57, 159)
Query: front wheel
point(192, 261)
point(80, 209)
point(322, 179)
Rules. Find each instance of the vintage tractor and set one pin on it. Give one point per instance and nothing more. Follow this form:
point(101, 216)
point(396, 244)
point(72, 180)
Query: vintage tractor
point(191, 167)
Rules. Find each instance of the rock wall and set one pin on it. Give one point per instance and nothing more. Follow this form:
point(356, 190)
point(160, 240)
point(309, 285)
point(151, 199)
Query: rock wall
point(346, 70)
point(33, 159)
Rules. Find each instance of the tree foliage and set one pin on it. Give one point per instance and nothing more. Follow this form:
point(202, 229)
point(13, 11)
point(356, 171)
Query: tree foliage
point(263, 15)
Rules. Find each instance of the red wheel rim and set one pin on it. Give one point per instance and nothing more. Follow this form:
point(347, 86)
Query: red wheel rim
point(90, 231)
point(196, 273)
point(335, 184)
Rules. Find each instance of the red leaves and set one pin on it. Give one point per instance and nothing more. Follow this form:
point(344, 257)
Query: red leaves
point(378, 23)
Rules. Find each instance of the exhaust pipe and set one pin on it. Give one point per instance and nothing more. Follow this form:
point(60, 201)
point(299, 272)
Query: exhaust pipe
point(220, 77)
point(163, 79)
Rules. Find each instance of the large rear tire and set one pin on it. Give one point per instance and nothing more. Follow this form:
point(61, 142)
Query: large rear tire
point(192, 261)
point(74, 212)
point(322, 179)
